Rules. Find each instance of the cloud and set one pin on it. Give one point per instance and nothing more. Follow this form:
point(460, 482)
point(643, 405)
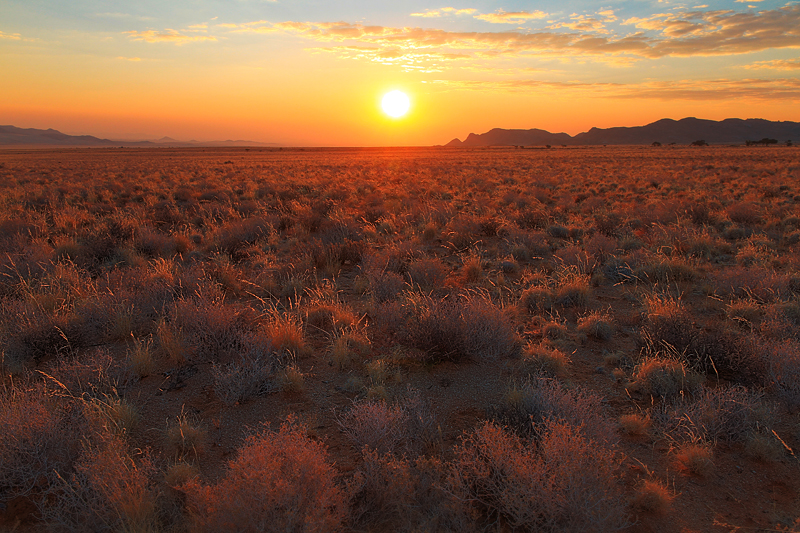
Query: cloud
point(167, 36)
point(702, 90)
point(582, 23)
point(695, 33)
point(435, 13)
point(514, 17)
point(776, 64)
point(10, 36)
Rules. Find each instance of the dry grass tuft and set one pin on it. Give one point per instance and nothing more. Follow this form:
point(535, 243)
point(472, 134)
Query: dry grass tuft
point(185, 437)
point(635, 425)
point(543, 358)
point(695, 458)
point(652, 497)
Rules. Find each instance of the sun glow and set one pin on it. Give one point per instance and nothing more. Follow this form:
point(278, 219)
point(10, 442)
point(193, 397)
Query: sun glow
point(395, 104)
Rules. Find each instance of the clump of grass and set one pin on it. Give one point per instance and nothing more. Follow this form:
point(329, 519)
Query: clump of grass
point(726, 414)
point(349, 350)
point(327, 318)
point(428, 273)
point(573, 290)
point(285, 333)
point(184, 437)
point(378, 371)
point(695, 458)
point(652, 496)
point(293, 379)
point(635, 425)
point(763, 447)
point(746, 312)
point(666, 379)
point(141, 359)
point(180, 473)
point(171, 343)
point(537, 299)
point(543, 358)
point(596, 325)
point(527, 406)
point(555, 329)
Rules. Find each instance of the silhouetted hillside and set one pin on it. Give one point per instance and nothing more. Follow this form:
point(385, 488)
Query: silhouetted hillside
point(13, 136)
point(684, 131)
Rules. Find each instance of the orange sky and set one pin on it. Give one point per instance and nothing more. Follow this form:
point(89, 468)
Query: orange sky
point(270, 72)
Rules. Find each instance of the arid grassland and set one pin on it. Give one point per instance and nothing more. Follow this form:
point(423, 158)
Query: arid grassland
point(574, 340)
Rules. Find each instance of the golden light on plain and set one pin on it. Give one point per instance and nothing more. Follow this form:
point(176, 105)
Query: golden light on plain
point(395, 104)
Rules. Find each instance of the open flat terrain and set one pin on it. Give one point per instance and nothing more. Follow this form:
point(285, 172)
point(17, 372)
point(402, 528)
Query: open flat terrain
point(572, 339)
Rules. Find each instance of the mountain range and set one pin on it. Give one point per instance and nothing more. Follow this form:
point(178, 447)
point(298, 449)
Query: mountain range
point(684, 131)
point(11, 136)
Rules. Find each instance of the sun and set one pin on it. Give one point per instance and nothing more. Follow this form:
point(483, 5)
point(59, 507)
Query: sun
point(395, 104)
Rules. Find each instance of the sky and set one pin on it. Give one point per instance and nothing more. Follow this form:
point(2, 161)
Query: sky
point(313, 72)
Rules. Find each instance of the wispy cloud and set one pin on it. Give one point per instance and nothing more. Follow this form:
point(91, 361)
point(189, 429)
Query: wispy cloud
point(167, 36)
point(749, 89)
point(121, 16)
point(443, 12)
point(514, 17)
point(134, 59)
point(776, 64)
point(10, 36)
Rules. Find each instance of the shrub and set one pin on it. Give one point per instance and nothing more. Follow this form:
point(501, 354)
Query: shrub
point(470, 326)
point(528, 406)
point(38, 440)
point(783, 370)
point(251, 376)
point(428, 273)
point(722, 414)
point(408, 425)
point(566, 483)
point(108, 491)
point(279, 481)
point(394, 493)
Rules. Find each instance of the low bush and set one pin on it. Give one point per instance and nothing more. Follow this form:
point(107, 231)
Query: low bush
point(279, 481)
point(467, 327)
point(408, 426)
point(565, 483)
point(725, 414)
point(527, 406)
point(394, 493)
point(253, 375)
